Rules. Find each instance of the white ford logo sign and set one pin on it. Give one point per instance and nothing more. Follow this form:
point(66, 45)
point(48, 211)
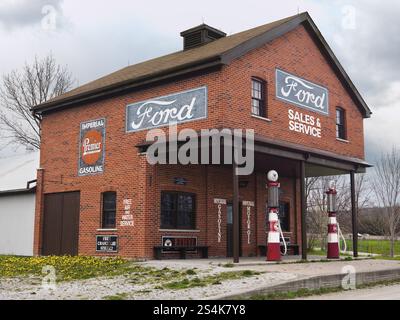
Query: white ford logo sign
point(175, 108)
point(302, 93)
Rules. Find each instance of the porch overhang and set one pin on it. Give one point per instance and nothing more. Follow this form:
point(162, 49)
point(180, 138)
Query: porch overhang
point(318, 162)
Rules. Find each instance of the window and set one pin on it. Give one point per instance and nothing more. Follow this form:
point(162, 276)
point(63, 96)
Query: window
point(340, 124)
point(177, 210)
point(258, 105)
point(284, 216)
point(109, 210)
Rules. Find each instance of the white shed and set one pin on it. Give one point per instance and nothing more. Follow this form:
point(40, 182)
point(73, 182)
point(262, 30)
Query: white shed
point(17, 203)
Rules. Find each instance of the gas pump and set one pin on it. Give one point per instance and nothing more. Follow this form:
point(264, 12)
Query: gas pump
point(274, 230)
point(333, 225)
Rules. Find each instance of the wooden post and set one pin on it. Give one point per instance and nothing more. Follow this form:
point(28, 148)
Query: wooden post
point(354, 217)
point(303, 210)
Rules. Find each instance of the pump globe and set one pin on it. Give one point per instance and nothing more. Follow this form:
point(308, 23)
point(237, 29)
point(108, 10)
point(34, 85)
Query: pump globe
point(272, 176)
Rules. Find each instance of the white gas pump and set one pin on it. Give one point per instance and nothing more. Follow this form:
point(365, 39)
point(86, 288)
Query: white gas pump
point(274, 231)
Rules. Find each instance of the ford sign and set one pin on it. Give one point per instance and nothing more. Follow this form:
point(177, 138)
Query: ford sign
point(172, 109)
point(302, 93)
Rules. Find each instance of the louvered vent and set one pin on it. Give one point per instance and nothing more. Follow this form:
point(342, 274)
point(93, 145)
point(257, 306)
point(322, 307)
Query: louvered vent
point(213, 35)
point(200, 35)
point(193, 40)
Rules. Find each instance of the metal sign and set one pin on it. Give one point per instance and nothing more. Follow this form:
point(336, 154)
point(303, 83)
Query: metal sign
point(107, 244)
point(302, 93)
point(91, 147)
point(162, 111)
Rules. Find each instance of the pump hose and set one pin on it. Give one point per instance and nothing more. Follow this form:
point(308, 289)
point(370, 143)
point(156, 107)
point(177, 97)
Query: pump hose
point(344, 240)
point(284, 253)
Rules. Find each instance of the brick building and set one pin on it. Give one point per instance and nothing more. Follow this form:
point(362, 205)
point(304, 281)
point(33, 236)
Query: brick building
point(97, 194)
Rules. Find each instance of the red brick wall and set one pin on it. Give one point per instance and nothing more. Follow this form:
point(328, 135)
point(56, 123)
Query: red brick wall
point(295, 53)
point(229, 100)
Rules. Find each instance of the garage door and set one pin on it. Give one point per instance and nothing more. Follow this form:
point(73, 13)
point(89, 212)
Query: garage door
point(61, 224)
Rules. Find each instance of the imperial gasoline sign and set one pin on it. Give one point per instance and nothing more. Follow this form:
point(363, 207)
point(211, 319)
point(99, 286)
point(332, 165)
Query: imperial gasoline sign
point(91, 147)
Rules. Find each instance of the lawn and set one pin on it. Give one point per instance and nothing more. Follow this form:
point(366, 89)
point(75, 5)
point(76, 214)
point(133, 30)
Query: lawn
point(81, 267)
point(67, 268)
point(369, 246)
point(375, 246)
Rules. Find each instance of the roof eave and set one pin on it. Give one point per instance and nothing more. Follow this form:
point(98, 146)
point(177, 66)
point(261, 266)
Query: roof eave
point(303, 18)
point(221, 59)
point(129, 84)
point(17, 191)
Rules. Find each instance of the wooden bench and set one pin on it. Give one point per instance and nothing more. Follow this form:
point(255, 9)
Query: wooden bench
point(183, 250)
point(290, 246)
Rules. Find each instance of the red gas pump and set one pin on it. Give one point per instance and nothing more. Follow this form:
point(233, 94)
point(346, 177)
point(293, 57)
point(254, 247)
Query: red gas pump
point(333, 238)
point(273, 242)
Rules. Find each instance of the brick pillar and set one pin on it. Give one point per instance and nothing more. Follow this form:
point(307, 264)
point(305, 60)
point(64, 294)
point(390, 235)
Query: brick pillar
point(144, 220)
point(37, 242)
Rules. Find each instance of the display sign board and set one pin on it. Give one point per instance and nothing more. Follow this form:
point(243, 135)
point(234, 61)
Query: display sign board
point(301, 93)
point(91, 147)
point(162, 111)
point(107, 244)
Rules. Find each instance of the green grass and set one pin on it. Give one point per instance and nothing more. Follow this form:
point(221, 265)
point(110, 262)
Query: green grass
point(375, 246)
point(67, 268)
point(322, 253)
point(79, 268)
point(216, 279)
point(294, 294)
point(369, 246)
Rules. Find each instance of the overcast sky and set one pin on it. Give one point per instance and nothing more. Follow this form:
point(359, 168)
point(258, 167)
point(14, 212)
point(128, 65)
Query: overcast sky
point(96, 37)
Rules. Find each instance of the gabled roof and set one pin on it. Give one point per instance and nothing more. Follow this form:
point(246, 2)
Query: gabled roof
point(217, 53)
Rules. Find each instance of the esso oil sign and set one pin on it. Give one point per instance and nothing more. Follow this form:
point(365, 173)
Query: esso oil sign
point(91, 147)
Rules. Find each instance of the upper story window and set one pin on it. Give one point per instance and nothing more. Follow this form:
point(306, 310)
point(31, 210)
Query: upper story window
point(258, 101)
point(178, 210)
point(109, 210)
point(340, 124)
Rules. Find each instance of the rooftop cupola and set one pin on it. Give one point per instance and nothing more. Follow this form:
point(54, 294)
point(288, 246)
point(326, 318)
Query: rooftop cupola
point(200, 35)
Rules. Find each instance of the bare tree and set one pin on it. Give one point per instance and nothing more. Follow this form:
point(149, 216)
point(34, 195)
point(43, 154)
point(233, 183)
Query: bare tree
point(21, 90)
point(317, 217)
point(386, 186)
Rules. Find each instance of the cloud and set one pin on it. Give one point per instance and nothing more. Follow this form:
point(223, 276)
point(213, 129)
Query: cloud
point(23, 13)
point(370, 51)
point(365, 37)
point(104, 36)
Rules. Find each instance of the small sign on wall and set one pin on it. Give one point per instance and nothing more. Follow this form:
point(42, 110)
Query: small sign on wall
point(91, 147)
point(302, 93)
point(219, 203)
point(127, 216)
point(107, 244)
point(176, 108)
